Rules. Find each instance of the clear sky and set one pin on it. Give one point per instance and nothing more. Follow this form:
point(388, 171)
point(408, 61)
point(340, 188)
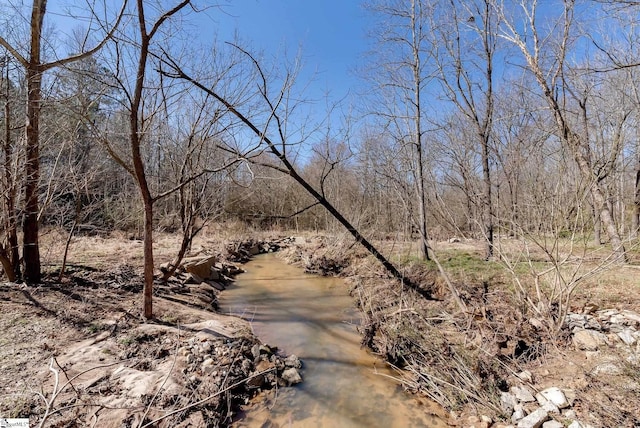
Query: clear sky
point(329, 34)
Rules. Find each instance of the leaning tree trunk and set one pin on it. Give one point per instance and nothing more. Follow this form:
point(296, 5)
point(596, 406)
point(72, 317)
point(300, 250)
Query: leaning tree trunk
point(600, 203)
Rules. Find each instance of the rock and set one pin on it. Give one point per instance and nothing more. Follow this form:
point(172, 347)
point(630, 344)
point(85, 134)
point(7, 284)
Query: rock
point(507, 401)
point(518, 413)
point(199, 266)
point(254, 250)
point(534, 419)
point(522, 393)
point(627, 336)
point(486, 419)
point(575, 424)
point(589, 340)
point(550, 408)
point(193, 279)
point(525, 376)
point(208, 366)
point(631, 316)
point(552, 424)
point(205, 347)
point(569, 414)
point(218, 286)
point(214, 274)
point(553, 395)
point(291, 376)
point(476, 422)
point(293, 361)
point(607, 369)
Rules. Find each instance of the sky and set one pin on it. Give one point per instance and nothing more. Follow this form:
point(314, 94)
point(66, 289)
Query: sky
point(331, 36)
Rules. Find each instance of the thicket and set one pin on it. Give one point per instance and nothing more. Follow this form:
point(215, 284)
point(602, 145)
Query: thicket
point(481, 119)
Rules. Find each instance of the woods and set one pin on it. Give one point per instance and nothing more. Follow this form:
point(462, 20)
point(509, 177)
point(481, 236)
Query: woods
point(481, 119)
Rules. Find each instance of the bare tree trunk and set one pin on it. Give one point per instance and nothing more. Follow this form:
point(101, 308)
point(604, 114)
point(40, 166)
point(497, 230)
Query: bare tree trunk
point(31, 249)
point(635, 217)
point(138, 166)
point(597, 227)
point(12, 255)
point(599, 199)
point(417, 80)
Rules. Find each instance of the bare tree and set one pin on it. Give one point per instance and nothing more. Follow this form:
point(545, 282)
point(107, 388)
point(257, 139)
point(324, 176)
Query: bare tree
point(35, 66)
point(276, 121)
point(546, 57)
point(9, 254)
point(466, 46)
point(404, 57)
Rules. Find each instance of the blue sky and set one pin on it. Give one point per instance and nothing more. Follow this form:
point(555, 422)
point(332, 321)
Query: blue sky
point(330, 35)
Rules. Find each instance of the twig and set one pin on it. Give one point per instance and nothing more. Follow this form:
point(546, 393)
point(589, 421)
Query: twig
point(204, 400)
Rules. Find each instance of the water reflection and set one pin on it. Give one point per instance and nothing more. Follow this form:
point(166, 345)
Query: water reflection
point(312, 317)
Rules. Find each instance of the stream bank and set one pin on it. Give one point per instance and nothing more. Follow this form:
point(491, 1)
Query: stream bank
point(494, 365)
point(314, 318)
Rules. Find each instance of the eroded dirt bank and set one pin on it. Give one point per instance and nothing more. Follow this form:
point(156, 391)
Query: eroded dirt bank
point(486, 366)
point(495, 364)
point(78, 354)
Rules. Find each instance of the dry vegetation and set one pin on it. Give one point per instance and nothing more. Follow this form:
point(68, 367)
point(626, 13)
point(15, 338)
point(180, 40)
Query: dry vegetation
point(463, 360)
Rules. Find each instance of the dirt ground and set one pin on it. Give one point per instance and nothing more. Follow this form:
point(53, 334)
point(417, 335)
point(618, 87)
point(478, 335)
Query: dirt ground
point(78, 352)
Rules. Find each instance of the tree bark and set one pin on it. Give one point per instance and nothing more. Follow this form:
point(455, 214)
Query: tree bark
point(635, 217)
point(31, 248)
point(417, 119)
point(11, 226)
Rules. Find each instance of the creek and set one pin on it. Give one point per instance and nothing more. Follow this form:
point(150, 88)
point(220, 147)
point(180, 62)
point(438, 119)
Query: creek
point(314, 318)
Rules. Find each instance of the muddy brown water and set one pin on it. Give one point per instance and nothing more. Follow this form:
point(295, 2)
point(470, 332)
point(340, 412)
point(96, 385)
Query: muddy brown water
point(313, 317)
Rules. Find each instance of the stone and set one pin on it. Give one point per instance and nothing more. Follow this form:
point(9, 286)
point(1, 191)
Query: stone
point(486, 419)
point(575, 424)
point(534, 419)
point(199, 266)
point(589, 340)
point(192, 279)
point(476, 422)
point(550, 408)
point(607, 369)
point(525, 376)
point(291, 376)
point(507, 401)
point(522, 393)
point(553, 395)
point(569, 414)
point(293, 361)
point(518, 413)
point(552, 424)
point(218, 286)
point(208, 366)
point(627, 336)
point(631, 316)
